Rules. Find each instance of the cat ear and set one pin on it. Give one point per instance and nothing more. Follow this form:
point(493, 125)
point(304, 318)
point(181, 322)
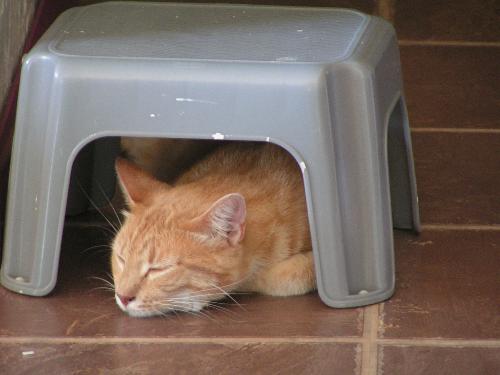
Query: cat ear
point(225, 220)
point(137, 185)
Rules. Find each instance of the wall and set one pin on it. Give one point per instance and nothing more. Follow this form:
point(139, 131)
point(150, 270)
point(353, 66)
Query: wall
point(15, 19)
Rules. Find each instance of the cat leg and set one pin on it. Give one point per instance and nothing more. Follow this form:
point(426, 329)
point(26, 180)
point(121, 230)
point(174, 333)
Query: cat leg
point(293, 276)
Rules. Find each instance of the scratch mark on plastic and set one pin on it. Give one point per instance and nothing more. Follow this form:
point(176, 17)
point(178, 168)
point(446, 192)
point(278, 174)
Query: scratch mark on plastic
point(191, 100)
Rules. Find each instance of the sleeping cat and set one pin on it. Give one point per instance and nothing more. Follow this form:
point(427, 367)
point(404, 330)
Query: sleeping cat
point(235, 221)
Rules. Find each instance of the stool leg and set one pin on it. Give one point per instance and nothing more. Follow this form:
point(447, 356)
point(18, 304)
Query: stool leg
point(35, 216)
point(350, 224)
point(325, 222)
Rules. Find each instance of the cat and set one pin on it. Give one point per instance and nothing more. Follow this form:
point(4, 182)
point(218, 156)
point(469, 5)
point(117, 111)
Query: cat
point(165, 158)
point(234, 221)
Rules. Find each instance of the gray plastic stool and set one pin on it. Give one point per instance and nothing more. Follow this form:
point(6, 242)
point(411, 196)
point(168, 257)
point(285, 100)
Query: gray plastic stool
point(323, 83)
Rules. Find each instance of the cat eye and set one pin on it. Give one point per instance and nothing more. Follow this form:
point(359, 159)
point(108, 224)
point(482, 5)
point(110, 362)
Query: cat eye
point(121, 260)
point(156, 271)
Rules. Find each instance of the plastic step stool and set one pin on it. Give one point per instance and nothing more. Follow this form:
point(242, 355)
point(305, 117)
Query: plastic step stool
point(323, 83)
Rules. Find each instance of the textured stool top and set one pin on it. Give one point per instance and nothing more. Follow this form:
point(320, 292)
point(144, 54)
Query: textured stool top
point(210, 32)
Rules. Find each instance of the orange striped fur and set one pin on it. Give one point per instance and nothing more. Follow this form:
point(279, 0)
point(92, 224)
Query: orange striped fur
point(235, 221)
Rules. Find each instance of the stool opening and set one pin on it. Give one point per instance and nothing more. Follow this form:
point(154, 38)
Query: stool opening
point(92, 181)
point(399, 167)
point(93, 184)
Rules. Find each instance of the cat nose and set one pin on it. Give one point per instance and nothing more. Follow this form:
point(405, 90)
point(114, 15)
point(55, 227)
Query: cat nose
point(125, 299)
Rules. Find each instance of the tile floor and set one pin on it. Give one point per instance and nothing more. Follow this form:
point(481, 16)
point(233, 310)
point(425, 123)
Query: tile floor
point(445, 315)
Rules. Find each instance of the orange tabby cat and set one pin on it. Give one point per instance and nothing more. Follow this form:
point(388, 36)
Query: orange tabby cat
point(236, 221)
point(165, 158)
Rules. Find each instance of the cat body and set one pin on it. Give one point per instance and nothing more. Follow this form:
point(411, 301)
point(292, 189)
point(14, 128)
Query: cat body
point(235, 221)
point(165, 158)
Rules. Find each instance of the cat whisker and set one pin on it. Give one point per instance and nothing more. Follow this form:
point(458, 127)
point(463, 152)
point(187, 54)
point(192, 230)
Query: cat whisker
point(107, 289)
point(225, 293)
point(107, 283)
point(240, 293)
point(102, 247)
point(209, 316)
point(176, 313)
point(207, 298)
point(102, 227)
point(95, 252)
point(186, 301)
point(236, 283)
point(183, 306)
point(223, 286)
point(102, 287)
point(205, 302)
point(214, 287)
point(205, 314)
point(102, 279)
point(196, 295)
point(171, 304)
point(166, 314)
point(197, 314)
point(109, 202)
point(228, 295)
point(209, 305)
point(108, 274)
point(98, 209)
point(222, 309)
point(163, 314)
point(230, 303)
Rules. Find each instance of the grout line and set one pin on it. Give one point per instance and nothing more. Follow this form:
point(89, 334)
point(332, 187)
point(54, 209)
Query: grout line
point(180, 340)
point(370, 338)
point(369, 354)
point(451, 227)
point(455, 130)
point(445, 343)
point(447, 43)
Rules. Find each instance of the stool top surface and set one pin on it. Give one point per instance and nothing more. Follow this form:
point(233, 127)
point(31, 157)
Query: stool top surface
point(210, 32)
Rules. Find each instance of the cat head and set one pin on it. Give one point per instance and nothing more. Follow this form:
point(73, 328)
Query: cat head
point(175, 250)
